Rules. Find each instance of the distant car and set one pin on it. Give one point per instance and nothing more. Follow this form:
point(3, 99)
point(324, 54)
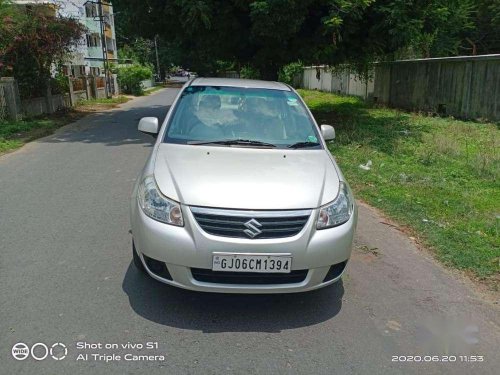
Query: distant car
point(241, 196)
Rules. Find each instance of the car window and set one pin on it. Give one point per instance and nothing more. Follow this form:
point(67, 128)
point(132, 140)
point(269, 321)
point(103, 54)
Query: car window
point(210, 113)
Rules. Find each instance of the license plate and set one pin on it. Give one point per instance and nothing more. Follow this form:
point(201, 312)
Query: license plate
point(252, 263)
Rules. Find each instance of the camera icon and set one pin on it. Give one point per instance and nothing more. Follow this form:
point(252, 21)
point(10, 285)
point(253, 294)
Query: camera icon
point(39, 351)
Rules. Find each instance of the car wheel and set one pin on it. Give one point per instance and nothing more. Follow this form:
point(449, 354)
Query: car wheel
point(137, 259)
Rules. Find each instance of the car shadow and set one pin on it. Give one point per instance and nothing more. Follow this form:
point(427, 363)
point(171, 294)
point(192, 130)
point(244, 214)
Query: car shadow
point(215, 312)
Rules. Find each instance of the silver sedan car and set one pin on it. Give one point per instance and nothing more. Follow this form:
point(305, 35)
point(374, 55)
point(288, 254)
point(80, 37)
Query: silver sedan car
point(240, 193)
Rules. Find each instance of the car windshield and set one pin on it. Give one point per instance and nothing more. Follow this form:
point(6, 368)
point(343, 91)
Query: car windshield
point(242, 117)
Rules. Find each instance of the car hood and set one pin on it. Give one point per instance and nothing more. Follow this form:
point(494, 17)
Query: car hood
point(245, 178)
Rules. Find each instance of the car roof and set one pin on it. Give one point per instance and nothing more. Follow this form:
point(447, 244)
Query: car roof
point(239, 82)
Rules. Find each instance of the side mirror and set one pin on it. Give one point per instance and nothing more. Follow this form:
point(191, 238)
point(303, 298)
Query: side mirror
point(149, 125)
point(328, 132)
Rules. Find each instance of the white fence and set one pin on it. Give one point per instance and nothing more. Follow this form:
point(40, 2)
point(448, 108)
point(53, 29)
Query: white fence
point(12, 106)
point(147, 83)
point(10, 102)
point(463, 86)
point(39, 106)
point(340, 81)
point(3, 105)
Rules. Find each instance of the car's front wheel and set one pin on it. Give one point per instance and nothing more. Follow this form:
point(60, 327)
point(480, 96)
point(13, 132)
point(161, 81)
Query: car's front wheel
point(137, 259)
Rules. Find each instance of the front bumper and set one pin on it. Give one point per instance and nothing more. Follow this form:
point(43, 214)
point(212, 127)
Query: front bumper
point(189, 247)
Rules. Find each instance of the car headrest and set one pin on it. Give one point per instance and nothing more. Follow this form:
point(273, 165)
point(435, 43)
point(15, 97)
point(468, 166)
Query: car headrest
point(210, 102)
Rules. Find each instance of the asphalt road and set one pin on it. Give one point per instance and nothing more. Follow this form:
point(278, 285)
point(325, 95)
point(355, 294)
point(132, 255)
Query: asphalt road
point(66, 277)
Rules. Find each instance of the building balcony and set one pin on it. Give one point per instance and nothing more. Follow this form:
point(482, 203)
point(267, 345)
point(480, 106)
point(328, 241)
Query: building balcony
point(92, 25)
point(94, 52)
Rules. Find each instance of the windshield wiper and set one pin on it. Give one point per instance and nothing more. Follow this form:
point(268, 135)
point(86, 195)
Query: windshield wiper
point(230, 142)
point(304, 144)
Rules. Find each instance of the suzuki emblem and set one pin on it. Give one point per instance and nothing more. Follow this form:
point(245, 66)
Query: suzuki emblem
point(252, 228)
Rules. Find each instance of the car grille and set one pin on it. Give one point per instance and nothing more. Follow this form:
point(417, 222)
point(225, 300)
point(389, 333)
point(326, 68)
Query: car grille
point(250, 224)
point(248, 278)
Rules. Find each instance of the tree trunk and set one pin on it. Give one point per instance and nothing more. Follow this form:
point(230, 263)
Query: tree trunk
point(474, 46)
point(269, 72)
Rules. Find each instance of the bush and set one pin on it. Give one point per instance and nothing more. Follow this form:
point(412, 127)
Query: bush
point(31, 43)
point(249, 72)
point(60, 84)
point(288, 72)
point(130, 77)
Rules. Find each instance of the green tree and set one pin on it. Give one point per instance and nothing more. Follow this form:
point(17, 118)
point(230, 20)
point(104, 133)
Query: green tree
point(139, 50)
point(268, 34)
point(485, 37)
point(35, 42)
point(427, 28)
point(9, 19)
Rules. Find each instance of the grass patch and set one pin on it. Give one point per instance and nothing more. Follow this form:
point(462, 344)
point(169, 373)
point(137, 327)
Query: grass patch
point(14, 134)
point(438, 176)
point(103, 103)
point(153, 89)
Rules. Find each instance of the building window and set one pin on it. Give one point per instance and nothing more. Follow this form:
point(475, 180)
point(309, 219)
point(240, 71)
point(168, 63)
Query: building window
point(110, 44)
point(91, 10)
point(93, 40)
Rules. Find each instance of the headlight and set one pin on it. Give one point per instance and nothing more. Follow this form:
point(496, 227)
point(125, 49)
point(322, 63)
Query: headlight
point(337, 212)
point(157, 206)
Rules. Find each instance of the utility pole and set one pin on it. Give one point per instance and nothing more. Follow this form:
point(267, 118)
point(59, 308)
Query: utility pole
point(100, 18)
point(157, 59)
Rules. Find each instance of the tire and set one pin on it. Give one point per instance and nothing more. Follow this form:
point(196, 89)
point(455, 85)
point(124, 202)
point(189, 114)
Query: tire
point(137, 260)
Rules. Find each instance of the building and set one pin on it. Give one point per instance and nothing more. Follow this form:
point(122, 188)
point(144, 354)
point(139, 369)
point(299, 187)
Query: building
point(98, 45)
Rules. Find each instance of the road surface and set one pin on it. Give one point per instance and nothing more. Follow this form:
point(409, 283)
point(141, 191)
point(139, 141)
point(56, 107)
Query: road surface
point(66, 277)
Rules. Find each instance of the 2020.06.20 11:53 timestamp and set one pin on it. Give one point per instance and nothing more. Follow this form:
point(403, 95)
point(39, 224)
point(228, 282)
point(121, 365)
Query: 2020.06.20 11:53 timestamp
point(437, 358)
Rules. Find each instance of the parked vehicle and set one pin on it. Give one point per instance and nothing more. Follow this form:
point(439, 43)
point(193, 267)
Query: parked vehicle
point(240, 193)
